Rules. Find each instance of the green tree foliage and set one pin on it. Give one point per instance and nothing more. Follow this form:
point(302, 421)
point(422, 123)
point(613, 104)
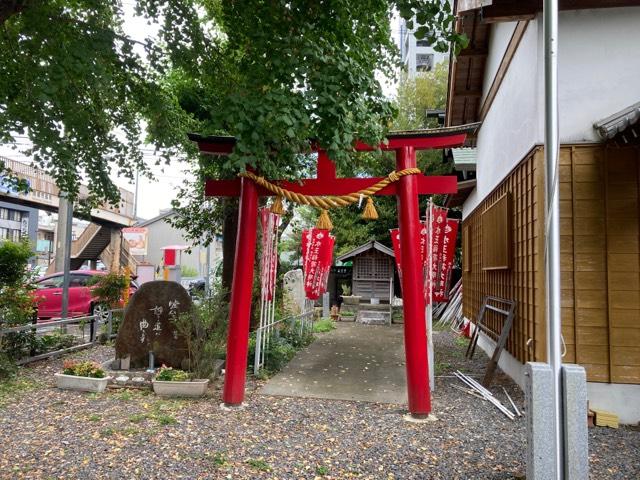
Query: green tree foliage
point(305, 70)
point(79, 89)
point(17, 303)
point(416, 95)
point(426, 91)
point(13, 262)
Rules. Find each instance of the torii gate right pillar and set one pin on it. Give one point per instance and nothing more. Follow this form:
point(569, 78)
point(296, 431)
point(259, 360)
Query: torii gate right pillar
point(413, 302)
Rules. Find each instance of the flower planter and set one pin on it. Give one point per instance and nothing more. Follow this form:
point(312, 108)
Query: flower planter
point(351, 299)
point(193, 388)
point(82, 384)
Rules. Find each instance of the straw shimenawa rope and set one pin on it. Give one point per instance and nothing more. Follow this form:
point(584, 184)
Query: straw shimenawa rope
point(331, 201)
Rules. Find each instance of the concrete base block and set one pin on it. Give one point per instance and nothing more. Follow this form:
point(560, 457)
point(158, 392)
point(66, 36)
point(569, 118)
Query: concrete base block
point(576, 439)
point(540, 422)
point(232, 408)
point(428, 419)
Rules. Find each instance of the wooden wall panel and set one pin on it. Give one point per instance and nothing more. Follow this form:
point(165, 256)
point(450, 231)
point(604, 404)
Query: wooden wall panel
point(600, 260)
point(589, 270)
point(521, 254)
point(623, 263)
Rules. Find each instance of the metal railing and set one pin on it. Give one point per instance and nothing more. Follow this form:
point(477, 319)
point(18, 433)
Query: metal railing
point(76, 326)
point(265, 333)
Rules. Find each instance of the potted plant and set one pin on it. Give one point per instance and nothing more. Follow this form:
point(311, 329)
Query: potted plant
point(172, 382)
point(82, 376)
point(347, 298)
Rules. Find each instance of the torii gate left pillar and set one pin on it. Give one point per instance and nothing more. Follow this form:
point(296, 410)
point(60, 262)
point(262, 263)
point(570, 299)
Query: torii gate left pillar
point(406, 190)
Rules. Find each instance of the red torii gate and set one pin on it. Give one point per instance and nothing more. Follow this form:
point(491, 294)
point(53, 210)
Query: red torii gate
point(406, 189)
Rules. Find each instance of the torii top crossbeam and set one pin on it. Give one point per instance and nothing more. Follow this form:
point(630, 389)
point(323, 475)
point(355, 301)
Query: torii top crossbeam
point(407, 188)
point(326, 182)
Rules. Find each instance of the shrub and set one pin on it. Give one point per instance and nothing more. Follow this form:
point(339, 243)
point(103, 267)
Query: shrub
point(8, 367)
point(108, 289)
point(56, 340)
point(323, 326)
point(83, 369)
point(17, 304)
point(168, 374)
point(187, 271)
point(205, 329)
point(13, 261)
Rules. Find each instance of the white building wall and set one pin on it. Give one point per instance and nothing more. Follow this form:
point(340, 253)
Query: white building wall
point(511, 126)
point(501, 33)
point(599, 68)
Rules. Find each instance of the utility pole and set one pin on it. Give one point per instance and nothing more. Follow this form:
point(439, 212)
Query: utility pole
point(63, 247)
point(135, 198)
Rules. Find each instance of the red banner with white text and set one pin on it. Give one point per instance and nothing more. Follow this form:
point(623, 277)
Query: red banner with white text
point(269, 260)
point(424, 242)
point(447, 254)
point(317, 256)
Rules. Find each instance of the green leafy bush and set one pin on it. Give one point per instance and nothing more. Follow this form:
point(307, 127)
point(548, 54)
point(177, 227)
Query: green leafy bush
point(108, 289)
point(205, 329)
point(282, 346)
point(187, 271)
point(168, 374)
point(83, 369)
point(17, 304)
point(323, 326)
point(56, 340)
point(13, 261)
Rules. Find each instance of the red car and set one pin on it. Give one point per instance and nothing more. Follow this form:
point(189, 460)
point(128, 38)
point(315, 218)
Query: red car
point(81, 302)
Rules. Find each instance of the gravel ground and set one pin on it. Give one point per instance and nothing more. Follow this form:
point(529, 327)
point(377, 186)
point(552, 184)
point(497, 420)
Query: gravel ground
point(48, 433)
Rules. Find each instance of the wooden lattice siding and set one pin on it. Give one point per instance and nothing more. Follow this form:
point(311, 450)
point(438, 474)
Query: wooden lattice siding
point(600, 260)
point(496, 232)
point(519, 281)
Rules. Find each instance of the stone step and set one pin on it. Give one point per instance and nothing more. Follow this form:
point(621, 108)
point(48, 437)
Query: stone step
point(373, 317)
point(381, 307)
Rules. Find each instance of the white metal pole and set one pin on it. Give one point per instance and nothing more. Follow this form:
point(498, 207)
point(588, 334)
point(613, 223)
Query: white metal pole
point(552, 237)
point(431, 355)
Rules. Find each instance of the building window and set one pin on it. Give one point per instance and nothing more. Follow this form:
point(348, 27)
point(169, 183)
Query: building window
point(422, 43)
point(424, 62)
point(9, 234)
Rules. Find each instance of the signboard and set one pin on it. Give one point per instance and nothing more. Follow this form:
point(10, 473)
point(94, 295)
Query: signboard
point(137, 239)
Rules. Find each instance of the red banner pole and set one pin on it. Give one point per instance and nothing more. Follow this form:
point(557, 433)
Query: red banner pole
point(240, 307)
point(415, 332)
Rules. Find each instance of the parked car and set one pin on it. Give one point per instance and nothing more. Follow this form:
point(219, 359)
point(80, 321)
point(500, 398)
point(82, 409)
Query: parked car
point(81, 302)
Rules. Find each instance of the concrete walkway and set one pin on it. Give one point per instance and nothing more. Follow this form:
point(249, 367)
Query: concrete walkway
point(352, 362)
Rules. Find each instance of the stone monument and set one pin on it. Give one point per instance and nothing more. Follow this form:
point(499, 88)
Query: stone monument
point(148, 326)
point(293, 292)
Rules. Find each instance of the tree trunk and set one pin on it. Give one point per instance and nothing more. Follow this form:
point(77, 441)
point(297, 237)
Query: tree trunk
point(229, 234)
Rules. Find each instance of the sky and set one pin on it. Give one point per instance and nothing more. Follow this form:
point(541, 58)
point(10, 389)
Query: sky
point(156, 195)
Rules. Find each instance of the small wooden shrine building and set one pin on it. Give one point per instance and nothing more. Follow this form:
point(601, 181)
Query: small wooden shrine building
point(372, 275)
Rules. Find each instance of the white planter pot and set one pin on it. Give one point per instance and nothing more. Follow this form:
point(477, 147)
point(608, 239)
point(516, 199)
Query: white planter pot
point(82, 384)
point(351, 299)
point(193, 388)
